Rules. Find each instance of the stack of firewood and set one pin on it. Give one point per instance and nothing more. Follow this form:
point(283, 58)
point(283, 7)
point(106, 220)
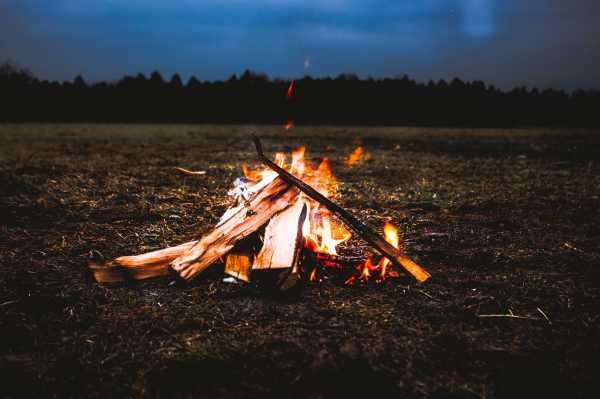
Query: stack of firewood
point(273, 210)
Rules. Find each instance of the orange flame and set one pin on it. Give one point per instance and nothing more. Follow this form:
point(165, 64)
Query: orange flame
point(321, 233)
point(289, 124)
point(331, 236)
point(280, 159)
point(259, 174)
point(290, 90)
point(356, 157)
point(368, 267)
point(391, 235)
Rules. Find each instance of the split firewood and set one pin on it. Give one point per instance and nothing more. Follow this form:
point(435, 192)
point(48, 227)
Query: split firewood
point(279, 258)
point(103, 271)
point(242, 221)
point(365, 232)
point(239, 265)
point(283, 240)
point(162, 256)
point(138, 267)
point(238, 262)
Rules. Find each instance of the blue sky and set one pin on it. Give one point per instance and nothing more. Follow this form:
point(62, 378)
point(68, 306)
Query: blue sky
point(505, 42)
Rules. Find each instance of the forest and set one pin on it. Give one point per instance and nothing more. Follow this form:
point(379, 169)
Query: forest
point(255, 98)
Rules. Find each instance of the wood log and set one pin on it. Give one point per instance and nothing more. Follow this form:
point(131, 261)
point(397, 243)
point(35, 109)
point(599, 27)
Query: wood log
point(239, 265)
point(241, 222)
point(138, 267)
point(365, 232)
point(238, 262)
point(278, 262)
point(283, 240)
point(162, 256)
point(103, 271)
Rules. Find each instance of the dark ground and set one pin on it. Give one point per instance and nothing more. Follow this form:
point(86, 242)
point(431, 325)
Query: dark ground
point(504, 220)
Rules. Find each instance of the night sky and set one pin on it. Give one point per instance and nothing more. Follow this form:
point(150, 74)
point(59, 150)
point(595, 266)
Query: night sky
point(538, 43)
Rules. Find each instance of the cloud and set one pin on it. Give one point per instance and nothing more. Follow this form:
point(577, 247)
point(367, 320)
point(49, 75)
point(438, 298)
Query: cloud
point(507, 42)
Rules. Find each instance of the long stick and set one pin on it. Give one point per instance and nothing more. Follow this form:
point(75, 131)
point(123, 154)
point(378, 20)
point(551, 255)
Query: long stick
point(379, 243)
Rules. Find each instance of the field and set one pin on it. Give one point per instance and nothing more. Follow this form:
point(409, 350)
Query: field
point(506, 221)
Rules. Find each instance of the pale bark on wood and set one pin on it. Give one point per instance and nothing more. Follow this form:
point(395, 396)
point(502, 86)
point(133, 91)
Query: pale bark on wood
point(283, 240)
point(161, 256)
point(243, 221)
point(138, 267)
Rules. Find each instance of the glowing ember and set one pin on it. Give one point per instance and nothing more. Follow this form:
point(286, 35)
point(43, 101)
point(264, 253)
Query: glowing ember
point(366, 270)
point(356, 157)
point(289, 124)
point(290, 91)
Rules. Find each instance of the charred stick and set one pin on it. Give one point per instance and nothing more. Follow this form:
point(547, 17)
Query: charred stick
point(379, 243)
point(328, 260)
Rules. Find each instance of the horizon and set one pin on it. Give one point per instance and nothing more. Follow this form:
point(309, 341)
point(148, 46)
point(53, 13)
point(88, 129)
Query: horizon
point(276, 79)
point(507, 44)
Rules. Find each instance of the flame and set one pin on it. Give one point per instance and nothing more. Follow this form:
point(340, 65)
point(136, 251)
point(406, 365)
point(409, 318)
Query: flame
point(329, 240)
point(260, 174)
point(356, 157)
point(391, 235)
point(289, 124)
point(367, 269)
point(321, 233)
point(250, 174)
point(280, 159)
point(298, 165)
point(290, 90)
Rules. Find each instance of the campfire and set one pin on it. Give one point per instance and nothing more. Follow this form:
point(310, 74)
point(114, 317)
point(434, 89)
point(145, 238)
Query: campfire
point(282, 224)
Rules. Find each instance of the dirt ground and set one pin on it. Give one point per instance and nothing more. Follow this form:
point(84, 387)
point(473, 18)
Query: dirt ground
point(505, 221)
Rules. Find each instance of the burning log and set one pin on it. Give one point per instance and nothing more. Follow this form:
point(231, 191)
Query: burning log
point(337, 261)
point(295, 227)
point(236, 224)
point(380, 244)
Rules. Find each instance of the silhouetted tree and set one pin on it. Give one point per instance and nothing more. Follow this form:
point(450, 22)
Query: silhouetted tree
point(176, 81)
point(253, 98)
point(193, 83)
point(79, 83)
point(156, 79)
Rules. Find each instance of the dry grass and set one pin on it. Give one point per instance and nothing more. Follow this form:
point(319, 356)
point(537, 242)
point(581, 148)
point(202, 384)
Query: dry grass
point(506, 221)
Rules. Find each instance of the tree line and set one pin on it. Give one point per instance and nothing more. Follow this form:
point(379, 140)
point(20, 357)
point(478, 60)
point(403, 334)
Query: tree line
point(254, 98)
